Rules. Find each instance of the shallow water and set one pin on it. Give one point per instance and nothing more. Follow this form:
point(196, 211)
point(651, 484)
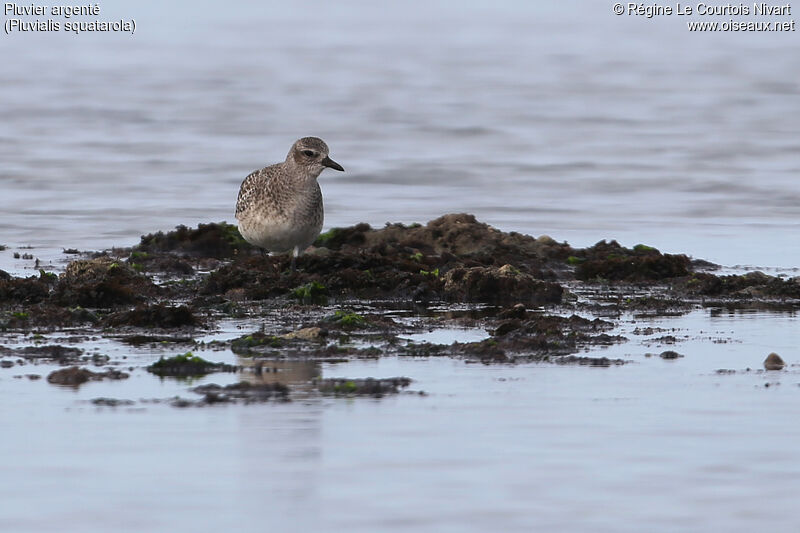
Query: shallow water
point(654, 443)
point(559, 120)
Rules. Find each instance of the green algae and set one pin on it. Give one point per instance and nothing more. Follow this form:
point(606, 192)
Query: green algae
point(433, 273)
point(313, 291)
point(644, 248)
point(328, 237)
point(348, 387)
point(216, 239)
point(347, 319)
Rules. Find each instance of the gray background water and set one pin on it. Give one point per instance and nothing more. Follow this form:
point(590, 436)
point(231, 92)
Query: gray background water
point(547, 118)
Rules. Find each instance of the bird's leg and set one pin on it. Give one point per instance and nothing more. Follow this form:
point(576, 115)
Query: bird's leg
point(295, 254)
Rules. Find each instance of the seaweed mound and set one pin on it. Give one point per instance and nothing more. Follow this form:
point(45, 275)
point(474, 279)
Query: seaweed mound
point(750, 285)
point(612, 262)
point(187, 365)
point(157, 316)
point(218, 240)
point(102, 282)
point(455, 238)
point(26, 290)
point(499, 285)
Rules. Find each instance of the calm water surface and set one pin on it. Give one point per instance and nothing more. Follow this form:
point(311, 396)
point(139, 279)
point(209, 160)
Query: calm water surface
point(654, 444)
point(567, 121)
point(560, 120)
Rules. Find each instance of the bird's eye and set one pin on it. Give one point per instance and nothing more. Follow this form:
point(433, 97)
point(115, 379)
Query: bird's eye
point(309, 153)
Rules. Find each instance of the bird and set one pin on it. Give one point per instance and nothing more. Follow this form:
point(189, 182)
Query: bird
point(279, 208)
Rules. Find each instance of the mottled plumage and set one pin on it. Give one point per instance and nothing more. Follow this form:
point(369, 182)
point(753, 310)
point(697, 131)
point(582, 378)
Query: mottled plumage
point(280, 206)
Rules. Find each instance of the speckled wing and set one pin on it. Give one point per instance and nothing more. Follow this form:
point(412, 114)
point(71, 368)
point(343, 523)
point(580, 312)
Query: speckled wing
point(253, 187)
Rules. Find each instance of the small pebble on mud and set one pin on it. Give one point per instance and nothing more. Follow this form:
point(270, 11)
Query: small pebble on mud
point(774, 362)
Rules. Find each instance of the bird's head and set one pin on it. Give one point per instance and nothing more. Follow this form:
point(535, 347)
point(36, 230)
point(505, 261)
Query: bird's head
point(312, 153)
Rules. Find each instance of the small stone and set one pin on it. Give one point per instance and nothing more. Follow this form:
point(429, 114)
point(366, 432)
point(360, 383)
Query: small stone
point(508, 270)
point(70, 376)
point(670, 354)
point(515, 311)
point(75, 376)
point(307, 334)
point(507, 326)
point(774, 362)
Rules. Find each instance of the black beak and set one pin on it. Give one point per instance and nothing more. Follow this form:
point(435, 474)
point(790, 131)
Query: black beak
point(330, 163)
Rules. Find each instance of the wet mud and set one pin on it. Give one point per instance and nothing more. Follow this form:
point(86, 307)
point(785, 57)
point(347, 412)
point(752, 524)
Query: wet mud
point(361, 387)
point(74, 376)
point(358, 292)
point(242, 392)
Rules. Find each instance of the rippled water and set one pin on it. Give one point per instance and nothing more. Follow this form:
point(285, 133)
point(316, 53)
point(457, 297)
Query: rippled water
point(565, 121)
point(544, 118)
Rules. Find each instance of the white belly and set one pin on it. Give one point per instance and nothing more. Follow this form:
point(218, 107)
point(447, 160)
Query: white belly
point(277, 235)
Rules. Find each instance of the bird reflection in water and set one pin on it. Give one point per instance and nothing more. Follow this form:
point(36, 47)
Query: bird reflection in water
point(297, 374)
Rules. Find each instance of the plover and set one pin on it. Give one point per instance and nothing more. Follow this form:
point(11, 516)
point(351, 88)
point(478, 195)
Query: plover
point(279, 208)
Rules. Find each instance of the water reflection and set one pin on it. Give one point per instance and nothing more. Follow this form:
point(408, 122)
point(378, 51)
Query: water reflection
point(295, 373)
